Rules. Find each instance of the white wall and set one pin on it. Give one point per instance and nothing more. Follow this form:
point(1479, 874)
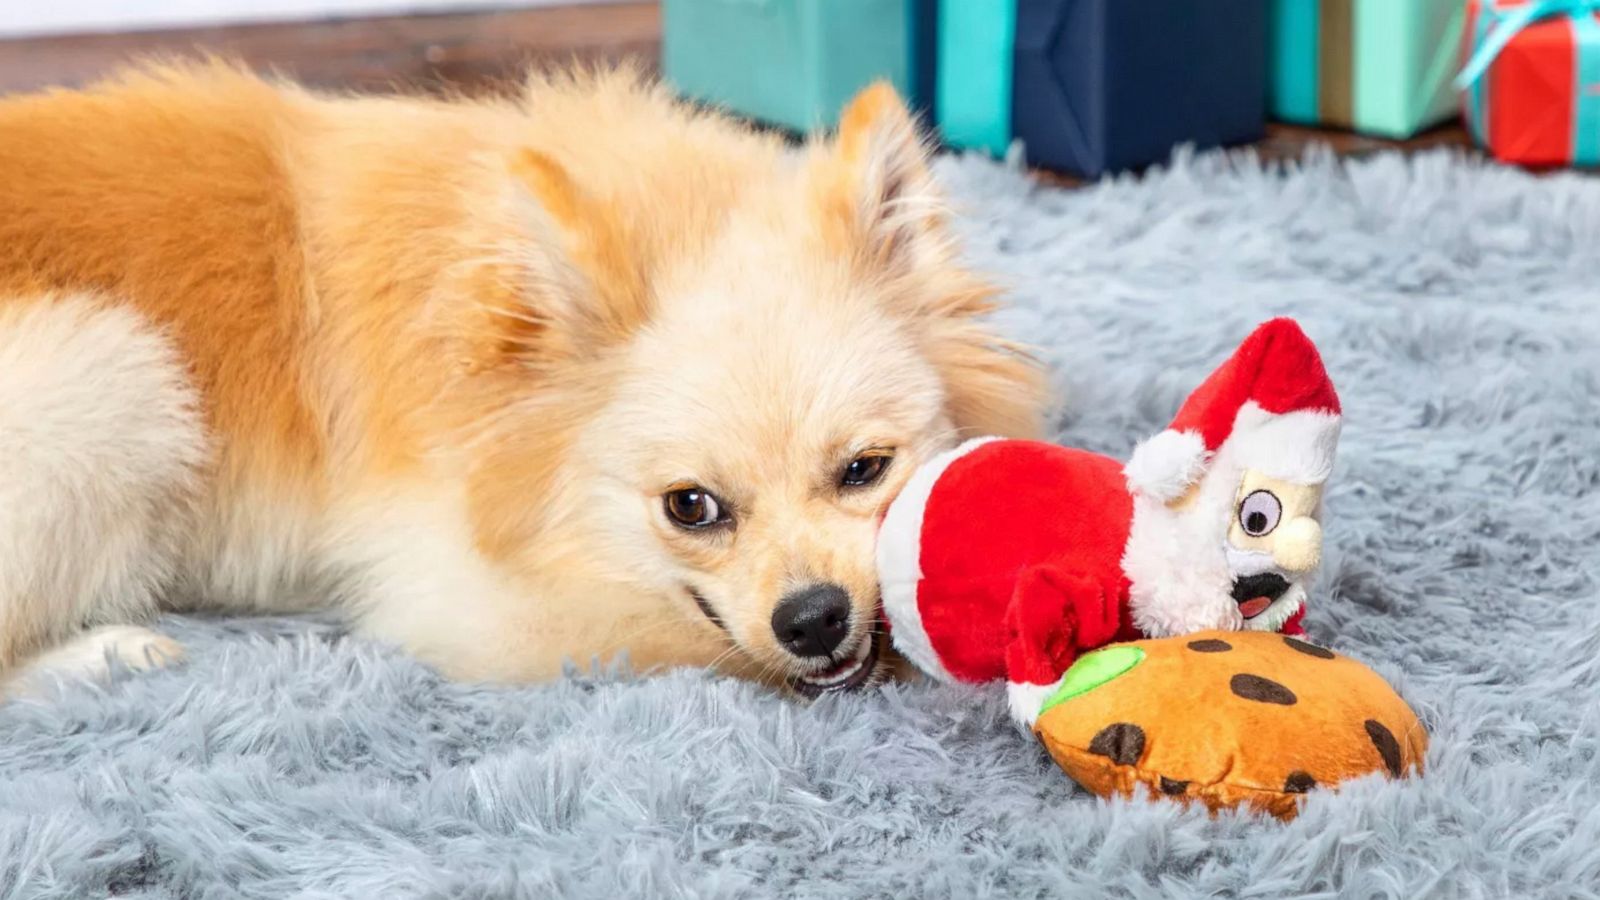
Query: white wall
point(20, 17)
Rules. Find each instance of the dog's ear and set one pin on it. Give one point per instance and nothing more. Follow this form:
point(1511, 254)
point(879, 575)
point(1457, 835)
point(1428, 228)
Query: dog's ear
point(874, 191)
point(574, 288)
point(992, 385)
point(878, 203)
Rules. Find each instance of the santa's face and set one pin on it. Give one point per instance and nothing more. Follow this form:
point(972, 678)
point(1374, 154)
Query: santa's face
point(1273, 547)
point(1237, 551)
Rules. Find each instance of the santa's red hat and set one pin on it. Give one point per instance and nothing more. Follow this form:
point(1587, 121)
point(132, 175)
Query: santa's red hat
point(1270, 407)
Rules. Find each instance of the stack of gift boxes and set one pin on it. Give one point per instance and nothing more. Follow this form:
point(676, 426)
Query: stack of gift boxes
point(1097, 86)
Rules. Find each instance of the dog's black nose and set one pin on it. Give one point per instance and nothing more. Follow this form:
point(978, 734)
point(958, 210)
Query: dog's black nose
point(813, 620)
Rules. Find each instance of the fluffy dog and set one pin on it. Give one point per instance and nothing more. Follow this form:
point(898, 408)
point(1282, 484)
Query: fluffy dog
point(509, 382)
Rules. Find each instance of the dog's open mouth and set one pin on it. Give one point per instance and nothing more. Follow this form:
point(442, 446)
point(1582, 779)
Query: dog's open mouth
point(1255, 593)
point(855, 671)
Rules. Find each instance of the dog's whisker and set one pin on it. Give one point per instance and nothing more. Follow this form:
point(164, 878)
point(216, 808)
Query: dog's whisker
point(627, 639)
point(732, 650)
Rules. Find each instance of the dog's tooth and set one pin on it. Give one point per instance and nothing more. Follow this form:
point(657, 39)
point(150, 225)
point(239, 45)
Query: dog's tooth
point(847, 670)
point(836, 678)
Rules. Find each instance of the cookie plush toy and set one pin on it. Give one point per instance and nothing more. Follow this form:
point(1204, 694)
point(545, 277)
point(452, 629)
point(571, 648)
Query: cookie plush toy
point(1007, 559)
point(1226, 719)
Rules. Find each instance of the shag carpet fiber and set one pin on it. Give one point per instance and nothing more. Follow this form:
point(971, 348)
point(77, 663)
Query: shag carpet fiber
point(1457, 305)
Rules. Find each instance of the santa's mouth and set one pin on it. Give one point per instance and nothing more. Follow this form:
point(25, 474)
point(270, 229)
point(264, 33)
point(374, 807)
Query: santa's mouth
point(856, 670)
point(1255, 593)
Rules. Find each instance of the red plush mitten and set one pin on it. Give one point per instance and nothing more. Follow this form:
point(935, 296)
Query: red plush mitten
point(1054, 615)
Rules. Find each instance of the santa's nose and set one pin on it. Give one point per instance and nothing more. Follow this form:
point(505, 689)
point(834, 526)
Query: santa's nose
point(1297, 546)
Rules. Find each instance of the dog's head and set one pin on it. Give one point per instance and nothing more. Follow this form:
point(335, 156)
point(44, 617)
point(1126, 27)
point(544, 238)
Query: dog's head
point(798, 340)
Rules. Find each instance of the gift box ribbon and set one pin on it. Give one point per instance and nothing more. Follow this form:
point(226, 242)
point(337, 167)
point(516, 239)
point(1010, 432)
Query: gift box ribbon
point(1498, 27)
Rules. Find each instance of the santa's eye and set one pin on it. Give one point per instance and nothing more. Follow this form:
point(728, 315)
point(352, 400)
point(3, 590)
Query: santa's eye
point(1259, 513)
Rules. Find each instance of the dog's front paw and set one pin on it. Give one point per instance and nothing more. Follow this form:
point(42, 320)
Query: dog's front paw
point(90, 656)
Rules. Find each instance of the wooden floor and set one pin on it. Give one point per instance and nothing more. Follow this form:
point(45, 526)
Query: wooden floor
point(472, 52)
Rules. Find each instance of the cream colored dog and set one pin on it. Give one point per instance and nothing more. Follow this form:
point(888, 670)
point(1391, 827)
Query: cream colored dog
point(510, 382)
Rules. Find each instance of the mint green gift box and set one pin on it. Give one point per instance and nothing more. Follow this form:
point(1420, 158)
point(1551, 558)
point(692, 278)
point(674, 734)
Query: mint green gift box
point(1382, 67)
point(794, 63)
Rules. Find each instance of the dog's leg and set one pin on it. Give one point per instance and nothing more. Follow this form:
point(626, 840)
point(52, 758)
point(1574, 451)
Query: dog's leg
point(100, 441)
point(424, 588)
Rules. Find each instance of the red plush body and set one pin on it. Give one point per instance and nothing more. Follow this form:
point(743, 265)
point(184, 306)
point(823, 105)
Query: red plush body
point(1050, 555)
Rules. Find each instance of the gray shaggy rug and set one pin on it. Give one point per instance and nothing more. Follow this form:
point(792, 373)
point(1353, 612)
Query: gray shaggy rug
point(1458, 307)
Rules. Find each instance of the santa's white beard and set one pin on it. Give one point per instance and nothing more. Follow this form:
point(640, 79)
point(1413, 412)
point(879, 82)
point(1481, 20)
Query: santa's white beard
point(1177, 562)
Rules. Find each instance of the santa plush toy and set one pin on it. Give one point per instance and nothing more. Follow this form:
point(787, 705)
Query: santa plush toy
point(1007, 559)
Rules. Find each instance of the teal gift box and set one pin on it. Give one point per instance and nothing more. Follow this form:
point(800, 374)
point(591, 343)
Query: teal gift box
point(794, 63)
point(1382, 67)
point(976, 41)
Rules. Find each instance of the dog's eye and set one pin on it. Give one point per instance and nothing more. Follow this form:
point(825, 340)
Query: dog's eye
point(693, 507)
point(864, 470)
point(1259, 513)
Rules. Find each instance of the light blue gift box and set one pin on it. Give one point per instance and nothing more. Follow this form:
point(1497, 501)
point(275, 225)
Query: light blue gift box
point(792, 62)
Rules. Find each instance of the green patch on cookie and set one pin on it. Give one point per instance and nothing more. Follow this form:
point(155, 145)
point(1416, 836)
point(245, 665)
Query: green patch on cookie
point(1092, 670)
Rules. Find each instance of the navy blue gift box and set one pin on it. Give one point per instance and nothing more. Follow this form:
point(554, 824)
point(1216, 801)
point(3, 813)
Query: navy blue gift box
point(1103, 85)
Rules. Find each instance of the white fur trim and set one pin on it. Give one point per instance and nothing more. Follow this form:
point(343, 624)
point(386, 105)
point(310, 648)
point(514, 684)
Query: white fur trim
point(1294, 446)
point(1176, 560)
point(900, 561)
point(1025, 700)
point(1164, 465)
